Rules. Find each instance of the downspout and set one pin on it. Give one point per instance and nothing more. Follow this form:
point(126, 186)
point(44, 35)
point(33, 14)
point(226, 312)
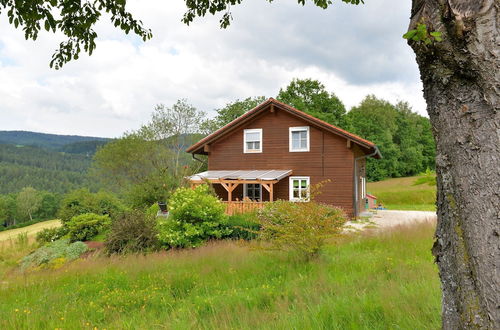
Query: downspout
point(355, 179)
point(201, 161)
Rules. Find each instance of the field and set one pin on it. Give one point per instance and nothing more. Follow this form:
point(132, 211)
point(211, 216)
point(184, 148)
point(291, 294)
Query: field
point(360, 282)
point(401, 194)
point(29, 230)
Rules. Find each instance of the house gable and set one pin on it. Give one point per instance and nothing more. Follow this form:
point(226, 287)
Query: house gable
point(273, 106)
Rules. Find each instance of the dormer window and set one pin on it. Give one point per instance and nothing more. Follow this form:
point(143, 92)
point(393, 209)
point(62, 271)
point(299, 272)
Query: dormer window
point(252, 140)
point(299, 139)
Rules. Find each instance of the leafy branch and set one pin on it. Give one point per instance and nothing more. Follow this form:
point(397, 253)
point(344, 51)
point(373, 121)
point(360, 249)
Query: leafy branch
point(421, 34)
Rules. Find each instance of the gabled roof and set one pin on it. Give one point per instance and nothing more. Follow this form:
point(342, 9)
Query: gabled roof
point(367, 146)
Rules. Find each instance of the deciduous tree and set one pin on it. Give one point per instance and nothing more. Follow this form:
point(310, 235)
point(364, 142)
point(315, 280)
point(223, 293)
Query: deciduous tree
point(311, 96)
point(28, 201)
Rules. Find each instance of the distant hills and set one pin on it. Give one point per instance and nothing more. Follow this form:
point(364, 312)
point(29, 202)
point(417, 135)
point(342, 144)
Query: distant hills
point(57, 163)
point(66, 143)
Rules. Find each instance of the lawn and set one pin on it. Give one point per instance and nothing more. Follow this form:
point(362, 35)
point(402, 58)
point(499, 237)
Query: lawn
point(401, 194)
point(388, 281)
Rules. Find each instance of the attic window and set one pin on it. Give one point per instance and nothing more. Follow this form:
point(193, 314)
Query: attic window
point(252, 140)
point(299, 139)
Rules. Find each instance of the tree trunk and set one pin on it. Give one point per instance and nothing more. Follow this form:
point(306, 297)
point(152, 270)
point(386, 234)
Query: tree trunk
point(461, 86)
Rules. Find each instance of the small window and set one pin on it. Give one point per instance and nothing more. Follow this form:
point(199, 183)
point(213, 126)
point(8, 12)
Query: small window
point(252, 140)
point(253, 191)
point(299, 139)
point(299, 188)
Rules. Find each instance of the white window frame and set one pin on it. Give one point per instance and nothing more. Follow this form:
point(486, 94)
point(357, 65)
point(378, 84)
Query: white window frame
point(363, 187)
point(253, 130)
point(245, 192)
point(299, 129)
point(290, 184)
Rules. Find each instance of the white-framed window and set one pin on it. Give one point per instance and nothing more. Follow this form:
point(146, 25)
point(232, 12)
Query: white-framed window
point(299, 188)
point(252, 140)
point(299, 139)
point(252, 191)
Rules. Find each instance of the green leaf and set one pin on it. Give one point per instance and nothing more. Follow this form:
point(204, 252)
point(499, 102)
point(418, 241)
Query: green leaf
point(47, 25)
point(410, 34)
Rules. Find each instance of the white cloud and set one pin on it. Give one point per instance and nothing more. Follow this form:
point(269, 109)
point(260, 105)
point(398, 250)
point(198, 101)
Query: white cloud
point(354, 51)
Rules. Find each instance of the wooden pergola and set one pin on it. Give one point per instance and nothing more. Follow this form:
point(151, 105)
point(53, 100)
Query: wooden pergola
point(229, 180)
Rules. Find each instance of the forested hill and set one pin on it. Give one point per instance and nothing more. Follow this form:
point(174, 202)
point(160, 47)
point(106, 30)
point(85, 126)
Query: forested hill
point(55, 163)
point(51, 141)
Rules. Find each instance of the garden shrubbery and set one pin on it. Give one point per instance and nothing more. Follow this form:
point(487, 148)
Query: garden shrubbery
point(84, 227)
point(54, 254)
point(302, 227)
point(196, 215)
point(243, 226)
point(133, 232)
point(48, 235)
point(83, 201)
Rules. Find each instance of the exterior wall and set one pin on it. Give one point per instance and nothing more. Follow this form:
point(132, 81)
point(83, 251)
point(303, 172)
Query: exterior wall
point(328, 158)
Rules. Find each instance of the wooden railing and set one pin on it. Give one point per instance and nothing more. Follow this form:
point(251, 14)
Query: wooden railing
point(238, 207)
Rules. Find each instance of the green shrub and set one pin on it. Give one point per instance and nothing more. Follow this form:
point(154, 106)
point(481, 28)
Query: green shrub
point(196, 205)
point(55, 252)
point(83, 201)
point(302, 227)
point(153, 210)
point(133, 232)
point(195, 216)
point(86, 226)
point(243, 226)
point(48, 235)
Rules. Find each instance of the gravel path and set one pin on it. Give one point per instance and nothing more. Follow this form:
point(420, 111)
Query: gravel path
point(387, 219)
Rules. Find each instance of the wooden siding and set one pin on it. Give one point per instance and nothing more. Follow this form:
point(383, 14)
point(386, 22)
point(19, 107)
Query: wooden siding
point(328, 158)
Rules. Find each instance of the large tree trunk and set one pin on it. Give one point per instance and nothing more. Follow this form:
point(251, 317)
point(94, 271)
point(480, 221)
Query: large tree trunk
point(461, 79)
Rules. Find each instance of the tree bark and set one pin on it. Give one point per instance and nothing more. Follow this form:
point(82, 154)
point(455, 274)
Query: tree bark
point(461, 79)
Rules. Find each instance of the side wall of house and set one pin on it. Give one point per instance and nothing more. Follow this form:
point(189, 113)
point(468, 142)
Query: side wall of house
point(329, 157)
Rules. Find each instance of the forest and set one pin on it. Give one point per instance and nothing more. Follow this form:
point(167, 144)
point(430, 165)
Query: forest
point(145, 166)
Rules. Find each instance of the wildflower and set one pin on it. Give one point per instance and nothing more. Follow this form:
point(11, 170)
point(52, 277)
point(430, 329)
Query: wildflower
point(16, 310)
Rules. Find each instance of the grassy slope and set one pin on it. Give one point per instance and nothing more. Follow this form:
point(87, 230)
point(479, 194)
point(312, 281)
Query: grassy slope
point(30, 230)
point(401, 194)
point(379, 282)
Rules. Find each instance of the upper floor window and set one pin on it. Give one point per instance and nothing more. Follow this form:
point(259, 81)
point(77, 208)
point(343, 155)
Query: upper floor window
point(299, 138)
point(252, 140)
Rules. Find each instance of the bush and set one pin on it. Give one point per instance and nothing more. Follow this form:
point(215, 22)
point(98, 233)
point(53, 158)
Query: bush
point(48, 235)
point(133, 232)
point(54, 254)
point(83, 201)
point(86, 226)
point(243, 226)
point(195, 216)
point(196, 205)
point(302, 227)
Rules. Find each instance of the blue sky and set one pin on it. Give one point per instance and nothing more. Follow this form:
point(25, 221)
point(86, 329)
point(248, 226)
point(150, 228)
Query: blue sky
point(353, 50)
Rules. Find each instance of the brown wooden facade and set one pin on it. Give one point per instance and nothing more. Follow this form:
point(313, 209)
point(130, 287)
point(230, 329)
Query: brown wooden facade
point(331, 155)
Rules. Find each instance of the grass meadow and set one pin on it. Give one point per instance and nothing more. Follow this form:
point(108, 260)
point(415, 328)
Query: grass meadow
point(401, 194)
point(363, 281)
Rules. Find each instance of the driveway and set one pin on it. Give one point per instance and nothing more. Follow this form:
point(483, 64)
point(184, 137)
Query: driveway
point(383, 219)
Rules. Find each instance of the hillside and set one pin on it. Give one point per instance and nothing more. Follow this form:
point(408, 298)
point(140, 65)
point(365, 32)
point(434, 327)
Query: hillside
point(56, 163)
point(403, 194)
point(43, 140)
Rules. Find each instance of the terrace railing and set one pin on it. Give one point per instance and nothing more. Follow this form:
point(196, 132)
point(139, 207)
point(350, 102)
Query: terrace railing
point(238, 207)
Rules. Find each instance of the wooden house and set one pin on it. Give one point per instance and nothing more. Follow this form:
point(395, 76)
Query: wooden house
point(275, 151)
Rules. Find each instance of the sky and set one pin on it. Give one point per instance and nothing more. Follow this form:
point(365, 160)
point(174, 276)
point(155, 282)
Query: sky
point(353, 50)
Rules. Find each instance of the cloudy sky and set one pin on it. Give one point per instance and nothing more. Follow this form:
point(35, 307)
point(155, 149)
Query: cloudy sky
point(353, 50)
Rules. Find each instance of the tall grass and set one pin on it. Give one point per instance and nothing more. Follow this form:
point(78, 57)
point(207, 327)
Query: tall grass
point(359, 282)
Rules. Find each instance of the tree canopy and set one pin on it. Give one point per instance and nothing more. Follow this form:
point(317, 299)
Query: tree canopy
point(311, 96)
